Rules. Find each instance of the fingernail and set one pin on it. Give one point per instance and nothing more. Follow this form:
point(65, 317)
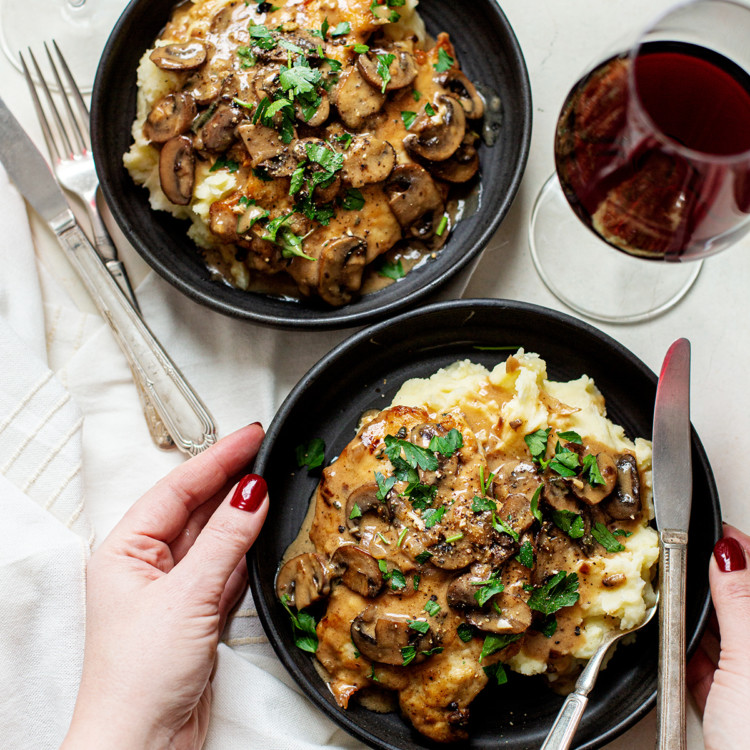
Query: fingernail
point(250, 493)
point(256, 424)
point(729, 555)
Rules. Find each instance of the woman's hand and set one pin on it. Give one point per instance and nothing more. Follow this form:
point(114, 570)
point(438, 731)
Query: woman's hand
point(158, 593)
point(719, 673)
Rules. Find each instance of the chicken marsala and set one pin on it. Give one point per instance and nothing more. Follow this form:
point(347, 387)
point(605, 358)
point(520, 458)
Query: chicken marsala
point(485, 520)
point(305, 140)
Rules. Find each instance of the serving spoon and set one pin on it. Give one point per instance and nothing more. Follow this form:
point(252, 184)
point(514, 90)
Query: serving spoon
point(563, 730)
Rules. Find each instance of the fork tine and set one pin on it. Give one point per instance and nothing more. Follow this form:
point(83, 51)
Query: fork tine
point(77, 135)
point(54, 151)
point(83, 112)
point(62, 132)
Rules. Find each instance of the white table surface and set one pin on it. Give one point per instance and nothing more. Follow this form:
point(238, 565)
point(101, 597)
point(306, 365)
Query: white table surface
point(559, 38)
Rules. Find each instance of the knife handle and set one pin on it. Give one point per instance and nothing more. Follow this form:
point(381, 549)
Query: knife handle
point(185, 416)
point(670, 709)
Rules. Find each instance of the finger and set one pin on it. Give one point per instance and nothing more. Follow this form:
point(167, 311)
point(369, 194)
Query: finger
point(165, 509)
point(233, 592)
point(225, 539)
point(700, 677)
point(198, 519)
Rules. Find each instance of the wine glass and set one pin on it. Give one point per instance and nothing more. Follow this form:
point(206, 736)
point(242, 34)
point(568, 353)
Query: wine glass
point(652, 156)
point(80, 27)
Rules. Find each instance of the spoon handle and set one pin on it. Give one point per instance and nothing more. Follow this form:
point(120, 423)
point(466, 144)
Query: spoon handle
point(564, 729)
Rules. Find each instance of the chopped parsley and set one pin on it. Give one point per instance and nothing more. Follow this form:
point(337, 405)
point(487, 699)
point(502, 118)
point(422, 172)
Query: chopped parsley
point(480, 504)
point(448, 445)
point(603, 535)
point(222, 163)
point(423, 557)
point(421, 496)
point(432, 608)
point(565, 462)
point(535, 503)
point(560, 591)
point(361, 49)
point(393, 271)
point(548, 626)
point(416, 95)
point(454, 538)
point(445, 61)
point(353, 200)
point(421, 626)
point(488, 589)
point(345, 139)
point(569, 522)
point(571, 437)
point(537, 443)
point(311, 454)
point(503, 527)
point(591, 472)
point(465, 632)
point(495, 643)
point(356, 512)
point(383, 69)
point(398, 581)
point(402, 536)
point(429, 109)
point(303, 628)
point(442, 226)
point(526, 555)
point(414, 455)
point(342, 29)
point(408, 117)
point(432, 516)
point(497, 671)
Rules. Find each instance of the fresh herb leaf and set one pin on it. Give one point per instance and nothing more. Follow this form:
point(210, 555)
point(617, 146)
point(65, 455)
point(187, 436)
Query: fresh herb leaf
point(535, 503)
point(373, 676)
point(603, 535)
point(495, 643)
point(303, 628)
point(526, 555)
point(291, 245)
point(353, 200)
point(537, 442)
point(342, 29)
point(323, 29)
point(432, 516)
point(465, 632)
point(361, 49)
point(393, 271)
point(383, 566)
point(421, 626)
point(432, 651)
point(408, 654)
point(330, 160)
point(356, 512)
point(571, 437)
point(430, 109)
point(421, 496)
point(565, 462)
point(408, 117)
point(503, 527)
point(398, 581)
point(569, 522)
point(488, 589)
point(262, 37)
point(548, 626)
point(383, 69)
point(248, 58)
point(560, 591)
point(432, 608)
point(445, 61)
point(442, 226)
point(497, 671)
point(415, 581)
point(402, 536)
point(298, 179)
point(299, 79)
point(222, 163)
point(414, 455)
point(480, 504)
point(384, 486)
point(311, 454)
point(423, 557)
point(622, 532)
point(416, 95)
point(591, 470)
point(448, 445)
point(345, 139)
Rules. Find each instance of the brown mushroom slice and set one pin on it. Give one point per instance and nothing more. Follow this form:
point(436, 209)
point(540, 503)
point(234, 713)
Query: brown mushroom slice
point(557, 495)
point(356, 100)
point(180, 55)
point(456, 82)
point(462, 591)
point(437, 137)
point(461, 167)
point(220, 131)
point(592, 494)
point(267, 150)
point(514, 616)
point(342, 263)
point(316, 118)
point(381, 637)
point(402, 69)
point(415, 200)
point(367, 160)
point(514, 477)
point(177, 170)
point(516, 512)
point(365, 499)
point(171, 116)
point(625, 503)
point(204, 87)
point(422, 435)
point(303, 580)
point(358, 570)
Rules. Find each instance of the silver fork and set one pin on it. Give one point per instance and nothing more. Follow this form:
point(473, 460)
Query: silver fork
point(73, 164)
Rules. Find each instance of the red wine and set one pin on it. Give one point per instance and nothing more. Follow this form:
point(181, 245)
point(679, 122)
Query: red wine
point(653, 174)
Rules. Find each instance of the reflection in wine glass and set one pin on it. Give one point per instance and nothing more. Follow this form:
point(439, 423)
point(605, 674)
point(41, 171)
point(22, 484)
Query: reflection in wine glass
point(80, 27)
point(652, 150)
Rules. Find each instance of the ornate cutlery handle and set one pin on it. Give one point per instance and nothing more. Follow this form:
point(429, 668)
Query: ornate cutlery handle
point(185, 416)
point(670, 707)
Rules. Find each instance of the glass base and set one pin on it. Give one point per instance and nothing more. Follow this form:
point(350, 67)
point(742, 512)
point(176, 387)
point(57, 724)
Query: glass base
point(591, 277)
point(80, 28)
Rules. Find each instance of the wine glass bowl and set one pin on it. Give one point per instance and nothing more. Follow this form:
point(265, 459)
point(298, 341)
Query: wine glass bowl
point(652, 152)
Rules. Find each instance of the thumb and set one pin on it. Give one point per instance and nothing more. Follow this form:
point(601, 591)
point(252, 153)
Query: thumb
point(225, 539)
point(729, 576)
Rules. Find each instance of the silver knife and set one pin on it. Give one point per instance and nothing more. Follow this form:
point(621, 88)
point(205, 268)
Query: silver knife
point(188, 421)
point(673, 488)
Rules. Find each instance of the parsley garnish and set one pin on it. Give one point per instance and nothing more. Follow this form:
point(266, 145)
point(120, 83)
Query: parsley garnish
point(465, 633)
point(548, 626)
point(398, 581)
point(495, 643)
point(353, 200)
point(229, 164)
point(421, 626)
point(402, 536)
point(526, 555)
point(423, 557)
point(408, 117)
point(361, 49)
point(429, 109)
point(497, 671)
point(591, 470)
point(311, 454)
point(416, 95)
point(480, 504)
point(442, 226)
point(414, 455)
point(303, 627)
point(454, 538)
point(356, 512)
point(432, 516)
point(421, 495)
point(488, 589)
point(262, 37)
point(622, 532)
point(445, 61)
point(393, 271)
point(502, 527)
point(383, 69)
point(448, 445)
point(408, 654)
point(603, 535)
point(569, 522)
point(432, 608)
point(537, 442)
point(560, 591)
point(571, 437)
point(535, 503)
point(345, 139)
point(565, 462)
point(342, 29)
point(384, 486)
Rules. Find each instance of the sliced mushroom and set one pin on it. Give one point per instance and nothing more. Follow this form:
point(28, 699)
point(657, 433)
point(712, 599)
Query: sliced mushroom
point(220, 130)
point(422, 435)
point(367, 160)
point(266, 81)
point(461, 167)
point(267, 150)
point(171, 116)
point(514, 616)
point(557, 495)
point(626, 500)
point(439, 136)
point(356, 100)
point(456, 82)
point(342, 263)
point(380, 637)
point(366, 500)
point(516, 512)
point(316, 118)
point(177, 170)
point(515, 477)
point(303, 580)
point(415, 200)
point(180, 55)
point(280, 53)
point(403, 68)
point(357, 569)
point(461, 593)
point(592, 494)
point(204, 87)
point(222, 221)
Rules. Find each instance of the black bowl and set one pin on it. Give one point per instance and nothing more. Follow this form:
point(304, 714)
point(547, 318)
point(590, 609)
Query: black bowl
point(490, 55)
point(365, 372)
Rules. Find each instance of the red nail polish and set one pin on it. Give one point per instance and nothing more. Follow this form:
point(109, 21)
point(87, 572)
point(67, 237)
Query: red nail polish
point(729, 555)
point(250, 493)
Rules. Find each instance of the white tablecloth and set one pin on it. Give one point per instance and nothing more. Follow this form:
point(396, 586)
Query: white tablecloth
point(75, 453)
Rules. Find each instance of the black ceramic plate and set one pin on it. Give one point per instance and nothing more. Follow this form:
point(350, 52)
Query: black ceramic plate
point(490, 55)
point(365, 372)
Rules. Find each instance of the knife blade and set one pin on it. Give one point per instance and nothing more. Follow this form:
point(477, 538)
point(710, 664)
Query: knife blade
point(186, 418)
point(673, 485)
